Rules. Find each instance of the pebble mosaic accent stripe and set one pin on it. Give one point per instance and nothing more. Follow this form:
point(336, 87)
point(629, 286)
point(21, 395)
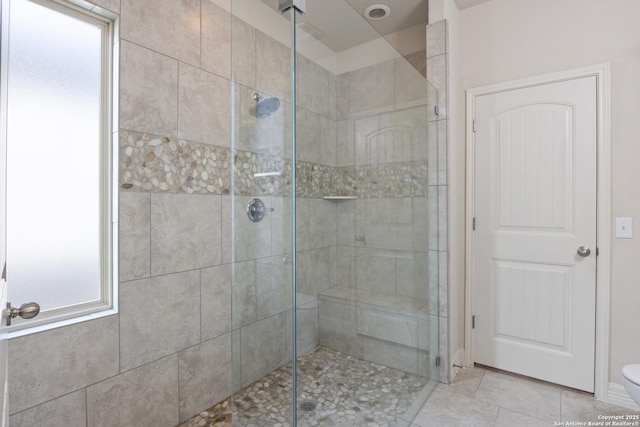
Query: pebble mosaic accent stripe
point(161, 164)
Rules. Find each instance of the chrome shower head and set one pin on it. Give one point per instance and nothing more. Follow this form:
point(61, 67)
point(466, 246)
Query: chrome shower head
point(265, 106)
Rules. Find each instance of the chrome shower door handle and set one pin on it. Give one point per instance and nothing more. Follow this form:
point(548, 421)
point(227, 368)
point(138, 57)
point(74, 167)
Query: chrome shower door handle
point(584, 251)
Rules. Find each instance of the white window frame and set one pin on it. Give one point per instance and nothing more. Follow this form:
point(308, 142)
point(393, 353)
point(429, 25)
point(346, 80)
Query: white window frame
point(107, 302)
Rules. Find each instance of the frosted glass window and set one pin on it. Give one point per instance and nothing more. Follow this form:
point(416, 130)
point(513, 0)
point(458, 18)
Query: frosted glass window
point(55, 165)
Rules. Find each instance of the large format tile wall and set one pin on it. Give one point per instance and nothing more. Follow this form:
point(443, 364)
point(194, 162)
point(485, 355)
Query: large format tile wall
point(382, 237)
point(189, 144)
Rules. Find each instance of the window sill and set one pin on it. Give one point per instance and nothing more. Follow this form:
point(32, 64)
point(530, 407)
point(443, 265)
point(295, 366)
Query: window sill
point(29, 330)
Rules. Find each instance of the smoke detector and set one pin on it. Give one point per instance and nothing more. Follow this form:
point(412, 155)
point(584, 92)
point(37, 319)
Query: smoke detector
point(377, 12)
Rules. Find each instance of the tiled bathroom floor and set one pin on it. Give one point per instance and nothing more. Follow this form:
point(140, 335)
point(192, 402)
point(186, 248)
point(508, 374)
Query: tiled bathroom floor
point(347, 392)
point(482, 397)
point(350, 392)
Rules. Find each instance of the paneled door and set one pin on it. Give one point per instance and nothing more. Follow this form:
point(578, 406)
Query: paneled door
point(534, 269)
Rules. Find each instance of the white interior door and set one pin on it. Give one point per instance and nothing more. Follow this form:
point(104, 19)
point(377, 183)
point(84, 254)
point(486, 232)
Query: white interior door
point(535, 206)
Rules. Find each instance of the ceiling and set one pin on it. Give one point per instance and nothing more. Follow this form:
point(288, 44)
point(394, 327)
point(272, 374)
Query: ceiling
point(404, 14)
point(340, 24)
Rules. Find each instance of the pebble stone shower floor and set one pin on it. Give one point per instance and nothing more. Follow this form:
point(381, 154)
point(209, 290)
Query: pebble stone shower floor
point(347, 392)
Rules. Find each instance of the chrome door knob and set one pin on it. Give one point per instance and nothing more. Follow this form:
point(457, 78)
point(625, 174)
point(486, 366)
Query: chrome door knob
point(27, 310)
point(584, 251)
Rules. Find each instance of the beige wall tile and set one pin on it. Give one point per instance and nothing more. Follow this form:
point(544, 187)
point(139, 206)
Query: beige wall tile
point(204, 107)
point(342, 97)
point(388, 327)
point(158, 317)
point(263, 348)
point(273, 281)
point(241, 238)
point(328, 135)
point(243, 53)
point(345, 143)
point(372, 88)
point(412, 276)
point(261, 134)
point(244, 294)
point(322, 223)
point(185, 232)
point(69, 411)
point(134, 236)
point(421, 220)
point(50, 364)
point(145, 396)
point(376, 270)
point(273, 67)
point(436, 38)
point(166, 26)
point(316, 270)
point(437, 75)
point(215, 301)
point(390, 354)
point(205, 375)
point(216, 39)
point(389, 223)
point(309, 136)
point(148, 91)
point(410, 85)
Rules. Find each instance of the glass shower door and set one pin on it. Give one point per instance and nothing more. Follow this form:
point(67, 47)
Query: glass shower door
point(335, 323)
point(258, 216)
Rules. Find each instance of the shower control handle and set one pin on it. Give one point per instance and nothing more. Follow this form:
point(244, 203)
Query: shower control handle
point(584, 251)
point(256, 210)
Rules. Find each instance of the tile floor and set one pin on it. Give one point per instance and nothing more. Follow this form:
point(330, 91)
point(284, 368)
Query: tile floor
point(347, 392)
point(353, 393)
point(483, 397)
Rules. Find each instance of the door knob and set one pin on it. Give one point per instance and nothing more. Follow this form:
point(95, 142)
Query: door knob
point(28, 310)
point(584, 251)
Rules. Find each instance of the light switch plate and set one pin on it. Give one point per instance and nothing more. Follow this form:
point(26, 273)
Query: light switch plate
point(624, 228)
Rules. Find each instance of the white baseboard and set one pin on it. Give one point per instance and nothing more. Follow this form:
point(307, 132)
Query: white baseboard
point(619, 396)
point(457, 359)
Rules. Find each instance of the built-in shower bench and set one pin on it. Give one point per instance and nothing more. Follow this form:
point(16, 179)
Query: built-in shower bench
point(387, 329)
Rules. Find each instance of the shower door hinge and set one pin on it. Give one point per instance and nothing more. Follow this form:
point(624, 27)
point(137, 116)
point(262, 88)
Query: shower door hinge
point(436, 110)
point(473, 321)
point(473, 225)
point(438, 361)
point(474, 125)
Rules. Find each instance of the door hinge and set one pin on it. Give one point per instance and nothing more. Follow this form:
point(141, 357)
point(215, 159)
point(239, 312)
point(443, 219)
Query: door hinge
point(474, 125)
point(436, 110)
point(597, 251)
point(4, 271)
point(473, 321)
point(474, 223)
point(438, 361)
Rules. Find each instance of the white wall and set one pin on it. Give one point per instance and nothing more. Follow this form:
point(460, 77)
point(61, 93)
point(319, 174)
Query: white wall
point(503, 40)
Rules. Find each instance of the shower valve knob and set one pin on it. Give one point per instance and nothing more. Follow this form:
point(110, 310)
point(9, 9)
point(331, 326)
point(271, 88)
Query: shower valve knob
point(256, 210)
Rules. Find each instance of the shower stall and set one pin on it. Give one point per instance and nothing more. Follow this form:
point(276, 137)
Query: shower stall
point(331, 226)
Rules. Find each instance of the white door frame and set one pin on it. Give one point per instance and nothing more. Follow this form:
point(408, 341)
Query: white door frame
point(603, 196)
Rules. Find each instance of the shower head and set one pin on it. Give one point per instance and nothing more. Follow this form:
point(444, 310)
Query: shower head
point(265, 106)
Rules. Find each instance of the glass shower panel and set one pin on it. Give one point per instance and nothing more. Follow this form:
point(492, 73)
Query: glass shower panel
point(367, 271)
point(365, 299)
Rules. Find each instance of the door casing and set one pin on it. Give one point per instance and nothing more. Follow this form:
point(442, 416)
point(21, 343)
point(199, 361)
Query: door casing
point(603, 200)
